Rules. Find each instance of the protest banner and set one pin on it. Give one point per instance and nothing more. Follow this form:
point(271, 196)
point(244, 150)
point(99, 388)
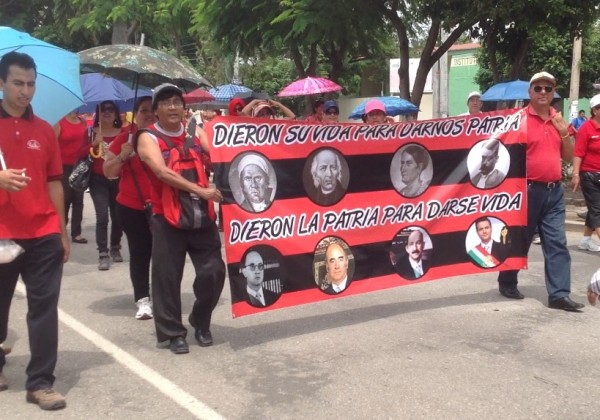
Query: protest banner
point(315, 212)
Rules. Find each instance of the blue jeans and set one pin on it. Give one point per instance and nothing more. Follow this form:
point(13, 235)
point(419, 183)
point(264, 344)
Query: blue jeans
point(546, 212)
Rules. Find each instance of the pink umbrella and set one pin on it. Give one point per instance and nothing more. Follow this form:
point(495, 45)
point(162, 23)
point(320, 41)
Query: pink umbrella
point(198, 96)
point(309, 86)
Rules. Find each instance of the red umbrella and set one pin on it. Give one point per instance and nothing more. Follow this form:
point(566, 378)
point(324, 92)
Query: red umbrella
point(309, 86)
point(198, 96)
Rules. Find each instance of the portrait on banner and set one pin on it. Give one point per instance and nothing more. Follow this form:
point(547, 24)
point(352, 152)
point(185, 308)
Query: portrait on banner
point(488, 163)
point(333, 265)
point(411, 252)
point(261, 275)
point(326, 176)
point(253, 182)
point(487, 242)
point(411, 170)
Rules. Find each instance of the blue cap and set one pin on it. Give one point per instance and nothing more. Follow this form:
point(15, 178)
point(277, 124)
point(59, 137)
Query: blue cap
point(330, 104)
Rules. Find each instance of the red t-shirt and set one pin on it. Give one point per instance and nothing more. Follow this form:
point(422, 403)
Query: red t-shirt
point(99, 162)
point(70, 139)
point(157, 185)
point(29, 142)
point(128, 194)
point(587, 146)
point(543, 147)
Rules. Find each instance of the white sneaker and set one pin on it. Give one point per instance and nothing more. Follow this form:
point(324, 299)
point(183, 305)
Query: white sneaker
point(588, 245)
point(144, 309)
point(537, 240)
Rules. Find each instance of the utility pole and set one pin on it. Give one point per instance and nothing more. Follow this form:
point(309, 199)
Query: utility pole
point(575, 69)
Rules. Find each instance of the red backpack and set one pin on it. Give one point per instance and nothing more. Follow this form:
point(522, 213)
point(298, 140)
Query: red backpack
point(182, 209)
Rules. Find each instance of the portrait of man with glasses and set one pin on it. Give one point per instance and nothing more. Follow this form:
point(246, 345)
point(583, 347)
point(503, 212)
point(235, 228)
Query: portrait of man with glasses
point(261, 293)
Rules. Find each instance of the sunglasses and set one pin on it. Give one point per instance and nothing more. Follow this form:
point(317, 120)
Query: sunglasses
point(332, 113)
point(107, 109)
point(547, 89)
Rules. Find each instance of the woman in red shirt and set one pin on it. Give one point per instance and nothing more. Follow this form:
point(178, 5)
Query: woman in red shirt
point(586, 173)
point(134, 194)
point(71, 132)
point(107, 126)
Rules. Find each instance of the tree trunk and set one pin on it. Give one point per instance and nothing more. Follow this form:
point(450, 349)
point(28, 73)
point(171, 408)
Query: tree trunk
point(519, 60)
point(120, 33)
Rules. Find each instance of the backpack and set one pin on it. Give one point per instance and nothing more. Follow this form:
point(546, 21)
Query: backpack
point(182, 209)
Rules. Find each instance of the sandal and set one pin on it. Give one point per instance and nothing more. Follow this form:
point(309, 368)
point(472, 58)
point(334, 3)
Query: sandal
point(79, 240)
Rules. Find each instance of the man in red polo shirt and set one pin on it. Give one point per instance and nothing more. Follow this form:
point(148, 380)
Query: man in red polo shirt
point(548, 141)
point(31, 214)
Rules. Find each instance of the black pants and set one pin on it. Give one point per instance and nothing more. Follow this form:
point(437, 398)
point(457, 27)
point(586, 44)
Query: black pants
point(139, 240)
point(72, 198)
point(169, 249)
point(104, 195)
point(40, 267)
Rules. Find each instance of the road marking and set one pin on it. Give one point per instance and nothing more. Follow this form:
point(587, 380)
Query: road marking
point(170, 389)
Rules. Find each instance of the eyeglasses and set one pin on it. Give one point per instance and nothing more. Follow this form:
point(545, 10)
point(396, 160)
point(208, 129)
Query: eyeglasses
point(332, 113)
point(547, 89)
point(254, 267)
point(168, 104)
point(107, 109)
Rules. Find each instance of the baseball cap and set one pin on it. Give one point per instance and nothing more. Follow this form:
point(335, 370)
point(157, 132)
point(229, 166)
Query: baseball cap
point(329, 105)
point(472, 94)
point(375, 105)
point(542, 76)
point(595, 101)
point(164, 88)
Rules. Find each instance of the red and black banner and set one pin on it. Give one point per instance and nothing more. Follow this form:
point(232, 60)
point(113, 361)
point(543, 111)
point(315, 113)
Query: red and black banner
point(315, 212)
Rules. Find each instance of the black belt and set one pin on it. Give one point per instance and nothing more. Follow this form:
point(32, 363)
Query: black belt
point(549, 185)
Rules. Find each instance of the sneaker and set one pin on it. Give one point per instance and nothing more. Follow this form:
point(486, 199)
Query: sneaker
point(3, 382)
point(103, 262)
point(588, 245)
point(115, 254)
point(47, 399)
point(144, 309)
point(537, 240)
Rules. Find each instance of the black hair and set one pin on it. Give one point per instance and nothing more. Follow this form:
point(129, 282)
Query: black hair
point(14, 58)
point(117, 122)
point(166, 93)
point(139, 101)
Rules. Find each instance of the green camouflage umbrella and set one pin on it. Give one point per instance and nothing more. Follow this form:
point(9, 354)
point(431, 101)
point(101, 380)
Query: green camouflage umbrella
point(140, 66)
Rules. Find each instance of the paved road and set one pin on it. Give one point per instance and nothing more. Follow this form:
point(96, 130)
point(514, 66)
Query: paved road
point(451, 348)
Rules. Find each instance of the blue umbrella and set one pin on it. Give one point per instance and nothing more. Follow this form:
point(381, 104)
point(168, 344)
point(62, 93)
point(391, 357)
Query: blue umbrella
point(509, 91)
point(98, 88)
point(57, 85)
point(225, 93)
point(394, 105)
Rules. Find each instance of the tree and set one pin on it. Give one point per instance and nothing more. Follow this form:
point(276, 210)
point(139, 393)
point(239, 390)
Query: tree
point(316, 36)
point(453, 17)
point(509, 29)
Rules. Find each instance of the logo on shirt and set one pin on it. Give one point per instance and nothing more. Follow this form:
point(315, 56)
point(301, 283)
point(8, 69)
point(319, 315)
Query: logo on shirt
point(33, 144)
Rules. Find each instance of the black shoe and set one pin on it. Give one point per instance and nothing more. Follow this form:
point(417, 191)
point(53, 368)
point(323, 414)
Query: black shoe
point(204, 338)
point(566, 304)
point(511, 293)
point(116, 256)
point(178, 345)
